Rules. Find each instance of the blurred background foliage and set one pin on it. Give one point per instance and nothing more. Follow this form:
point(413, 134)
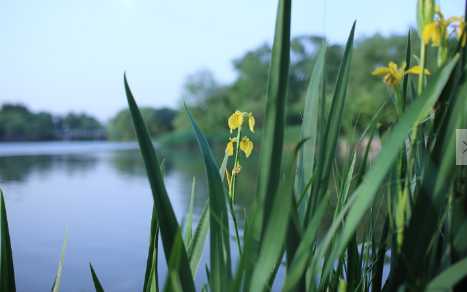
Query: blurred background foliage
point(212, 101)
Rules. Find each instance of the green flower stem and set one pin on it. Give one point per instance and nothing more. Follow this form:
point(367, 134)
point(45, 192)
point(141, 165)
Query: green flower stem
point(421, 77)
point(234, 219)
point(234, 175)
point(232, 193)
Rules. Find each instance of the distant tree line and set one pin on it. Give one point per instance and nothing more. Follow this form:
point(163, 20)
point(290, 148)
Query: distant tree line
point(18, 123)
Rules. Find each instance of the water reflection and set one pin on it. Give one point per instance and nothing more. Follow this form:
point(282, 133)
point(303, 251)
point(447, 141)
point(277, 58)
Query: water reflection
point(102, 196)
point(19, 168)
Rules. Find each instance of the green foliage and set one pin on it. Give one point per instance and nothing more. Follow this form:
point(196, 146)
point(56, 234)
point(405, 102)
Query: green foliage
point(211, 101)
point(158, 121)
point(18, 123)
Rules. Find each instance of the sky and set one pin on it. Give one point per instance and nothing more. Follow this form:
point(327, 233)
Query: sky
point(70, 55)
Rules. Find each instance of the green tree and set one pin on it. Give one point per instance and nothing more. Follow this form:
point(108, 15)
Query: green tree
point(158, 121)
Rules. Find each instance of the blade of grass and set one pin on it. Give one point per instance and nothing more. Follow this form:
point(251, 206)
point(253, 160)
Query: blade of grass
point(274, 120)
point(271, 144)
point(196, 246)
point(7, 272)
point(221, 273)
point(333, 128)
point(448, 278)
point(272, 245)
point(151, 282)
point(95, 280)
point(169, 227)
point(173, 282)
point(189, 220)
point(311, 120)
point(58, 276)
point(305, 249)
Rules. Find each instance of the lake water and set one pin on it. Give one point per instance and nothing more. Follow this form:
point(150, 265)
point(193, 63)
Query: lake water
point(98, 193)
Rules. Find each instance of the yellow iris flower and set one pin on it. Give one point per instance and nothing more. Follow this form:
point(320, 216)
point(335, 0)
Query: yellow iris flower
point(246, 145)
point(235, 121)
point(393, 74)
point(437, 32)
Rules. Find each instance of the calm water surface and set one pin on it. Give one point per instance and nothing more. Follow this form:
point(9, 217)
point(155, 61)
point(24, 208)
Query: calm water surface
point(96, 192)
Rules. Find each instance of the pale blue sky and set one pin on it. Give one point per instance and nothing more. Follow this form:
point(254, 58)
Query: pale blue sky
point(62, 55)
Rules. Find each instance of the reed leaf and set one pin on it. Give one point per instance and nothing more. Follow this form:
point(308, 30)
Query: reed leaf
point(7, 272)
point(195, 249)
point(274, 120)
point(221, 273)
point(272, 245)
point(333, 128)
point(311, 120)
point(95, 280)
point(151, 283)
point(58, 275)
point(169, 227)
point(448, 278)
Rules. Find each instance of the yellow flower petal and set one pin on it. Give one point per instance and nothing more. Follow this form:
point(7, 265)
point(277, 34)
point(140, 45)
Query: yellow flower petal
point(428, 31)
point(246, 145)
point(393, 67)
point(251, 122)
point(235, 120)
point(229, 149)
point(417, 70)
point(380, 71)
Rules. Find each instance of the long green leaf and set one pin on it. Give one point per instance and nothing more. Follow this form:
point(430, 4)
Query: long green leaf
point(333, 128)
point(447, 279)
point(274, 120)
point(169, 226)
point(189, 217)
point(196, 246)
point(95, 280)
point(58, 276)
point(305, 249)
point(7, 273)
point(218, 216)
point(311, 120)
point(271, 145)
point(272, 245)
point(151, 283)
